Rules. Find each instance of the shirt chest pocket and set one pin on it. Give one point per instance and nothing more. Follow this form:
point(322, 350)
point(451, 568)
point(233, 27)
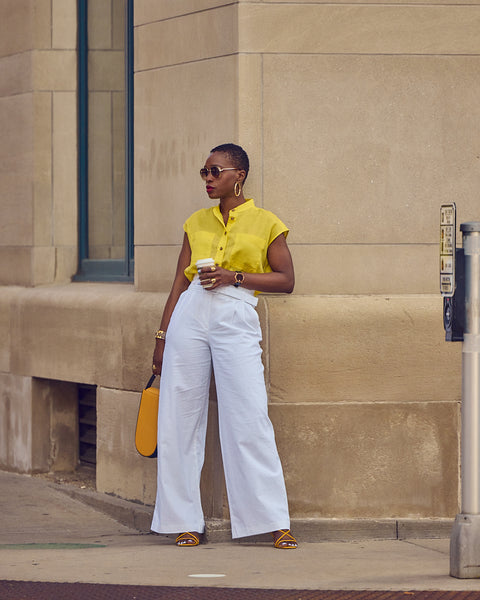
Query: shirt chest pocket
point(203, 245)
point(248, 253)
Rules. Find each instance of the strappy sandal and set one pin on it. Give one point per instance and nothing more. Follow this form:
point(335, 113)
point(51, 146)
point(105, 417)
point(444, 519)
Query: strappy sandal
point(188, 539)
point(285, 541)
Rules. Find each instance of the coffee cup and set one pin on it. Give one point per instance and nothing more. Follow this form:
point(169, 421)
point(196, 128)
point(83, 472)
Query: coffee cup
point(205, 263)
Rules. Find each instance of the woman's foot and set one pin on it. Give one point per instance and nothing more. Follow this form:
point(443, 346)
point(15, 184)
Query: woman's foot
point(284, 540)
point(189, 538)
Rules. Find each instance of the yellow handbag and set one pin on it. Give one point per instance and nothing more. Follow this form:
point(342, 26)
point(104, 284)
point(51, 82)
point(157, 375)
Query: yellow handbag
point(146, 430)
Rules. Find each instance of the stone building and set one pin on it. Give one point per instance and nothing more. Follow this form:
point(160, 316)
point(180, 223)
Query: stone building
point(360, 119)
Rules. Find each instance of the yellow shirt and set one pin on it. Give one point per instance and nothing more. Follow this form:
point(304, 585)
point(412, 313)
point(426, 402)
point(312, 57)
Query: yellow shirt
point(240, 245)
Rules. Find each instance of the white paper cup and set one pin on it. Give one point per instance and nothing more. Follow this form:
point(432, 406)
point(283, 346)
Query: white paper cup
point(205, 263)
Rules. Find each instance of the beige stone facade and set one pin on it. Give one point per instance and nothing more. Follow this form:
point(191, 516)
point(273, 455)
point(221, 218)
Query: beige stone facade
point(360, 119)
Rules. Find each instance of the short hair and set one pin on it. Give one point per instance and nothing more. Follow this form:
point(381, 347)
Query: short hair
point(237, 155)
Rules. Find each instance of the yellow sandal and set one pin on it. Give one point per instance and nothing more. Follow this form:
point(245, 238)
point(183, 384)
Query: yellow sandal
point(188, 539)
point(285, 541)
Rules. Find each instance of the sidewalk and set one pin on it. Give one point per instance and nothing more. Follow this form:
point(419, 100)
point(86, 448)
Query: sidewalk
point(47, 535)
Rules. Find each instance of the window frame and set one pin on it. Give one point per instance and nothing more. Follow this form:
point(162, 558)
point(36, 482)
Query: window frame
point(89, 269)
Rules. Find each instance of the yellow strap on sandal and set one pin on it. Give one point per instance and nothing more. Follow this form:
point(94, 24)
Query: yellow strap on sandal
point(187, 539)
point(285, 538)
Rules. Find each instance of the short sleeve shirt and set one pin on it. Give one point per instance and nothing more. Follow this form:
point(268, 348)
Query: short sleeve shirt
point(239, 245)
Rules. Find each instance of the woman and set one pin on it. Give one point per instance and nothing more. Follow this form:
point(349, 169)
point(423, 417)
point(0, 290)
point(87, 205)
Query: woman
point(210, 318)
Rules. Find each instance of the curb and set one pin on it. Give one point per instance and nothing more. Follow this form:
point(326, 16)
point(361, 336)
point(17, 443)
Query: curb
point(131, 514)
point(139, 516)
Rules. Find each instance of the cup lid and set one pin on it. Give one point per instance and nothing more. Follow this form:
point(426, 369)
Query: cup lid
point(204, 262)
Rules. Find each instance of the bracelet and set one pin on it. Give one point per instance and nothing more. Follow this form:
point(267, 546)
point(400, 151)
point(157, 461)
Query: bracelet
point(160, 335)
point(238, 278)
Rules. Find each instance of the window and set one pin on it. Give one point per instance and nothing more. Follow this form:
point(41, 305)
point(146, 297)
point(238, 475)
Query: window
point(105, 129)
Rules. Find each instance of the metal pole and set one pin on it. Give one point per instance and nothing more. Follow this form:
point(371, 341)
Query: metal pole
point(465, 540)
point(471, 371)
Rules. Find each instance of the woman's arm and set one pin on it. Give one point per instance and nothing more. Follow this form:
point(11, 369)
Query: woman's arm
point(180, 284)
point(282, 278)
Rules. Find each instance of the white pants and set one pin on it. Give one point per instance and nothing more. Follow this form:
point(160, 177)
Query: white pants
point(221, 327)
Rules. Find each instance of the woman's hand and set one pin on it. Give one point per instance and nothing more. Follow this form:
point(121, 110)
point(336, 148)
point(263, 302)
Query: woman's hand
point(213, 277)
point(158, 357)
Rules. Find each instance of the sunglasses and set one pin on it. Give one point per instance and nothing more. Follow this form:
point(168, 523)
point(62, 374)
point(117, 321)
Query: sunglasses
point(215, 171)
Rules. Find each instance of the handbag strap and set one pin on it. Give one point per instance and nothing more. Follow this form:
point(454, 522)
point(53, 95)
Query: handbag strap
point(150, 381)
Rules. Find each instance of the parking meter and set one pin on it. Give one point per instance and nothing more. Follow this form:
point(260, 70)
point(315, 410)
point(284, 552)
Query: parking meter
point(454, 306)
point(452, 275)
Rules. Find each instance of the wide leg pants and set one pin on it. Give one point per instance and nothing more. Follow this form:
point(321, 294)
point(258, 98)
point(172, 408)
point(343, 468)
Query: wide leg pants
point(221, 327)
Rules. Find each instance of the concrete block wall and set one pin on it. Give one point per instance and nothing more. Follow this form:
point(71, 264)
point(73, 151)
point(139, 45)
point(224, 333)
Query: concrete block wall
point(366, 414)
point(360, 120)
point(38, 110)
point(347, 112)
point(38, 423)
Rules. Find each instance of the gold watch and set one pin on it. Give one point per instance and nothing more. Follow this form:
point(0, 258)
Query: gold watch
point(238, 278)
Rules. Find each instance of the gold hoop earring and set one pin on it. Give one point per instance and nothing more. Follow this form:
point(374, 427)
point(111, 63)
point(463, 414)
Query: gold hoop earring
point(237, 190)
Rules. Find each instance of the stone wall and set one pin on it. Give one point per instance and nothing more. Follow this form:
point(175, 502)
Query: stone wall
point(38, 151)
point(364, 396)
point(360, 119)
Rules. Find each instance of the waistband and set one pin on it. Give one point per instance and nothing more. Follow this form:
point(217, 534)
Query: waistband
point(227, 290)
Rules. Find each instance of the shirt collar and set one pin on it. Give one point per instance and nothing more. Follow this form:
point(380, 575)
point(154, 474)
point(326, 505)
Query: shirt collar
point(249, 203)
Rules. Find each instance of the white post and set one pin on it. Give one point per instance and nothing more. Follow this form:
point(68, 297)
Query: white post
point(465, 539)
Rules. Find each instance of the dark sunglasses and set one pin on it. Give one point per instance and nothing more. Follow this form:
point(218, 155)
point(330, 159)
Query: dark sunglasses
point(215, 171)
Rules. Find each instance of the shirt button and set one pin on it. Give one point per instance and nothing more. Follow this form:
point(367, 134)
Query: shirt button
point(221, 248)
